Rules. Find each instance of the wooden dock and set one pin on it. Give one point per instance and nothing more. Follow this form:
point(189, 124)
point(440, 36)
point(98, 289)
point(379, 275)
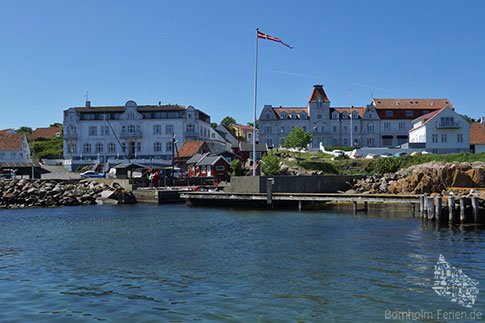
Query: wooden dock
point(438, 208)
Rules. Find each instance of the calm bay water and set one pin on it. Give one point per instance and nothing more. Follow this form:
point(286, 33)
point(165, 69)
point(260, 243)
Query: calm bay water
point(147, 263)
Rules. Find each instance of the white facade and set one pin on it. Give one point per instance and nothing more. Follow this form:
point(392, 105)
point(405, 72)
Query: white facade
point(383, 123)
point(137, 133)
point(14, 147)
point(443, 132)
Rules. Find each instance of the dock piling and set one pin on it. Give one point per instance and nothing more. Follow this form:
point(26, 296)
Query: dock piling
point(430, 205)
point(425, 205)
point(299, 205)
point(366, 206)
point(438, 209)
point(475, 209)
point(451, 209)
point(269, 190)
point(462, 209)
point(355, 206)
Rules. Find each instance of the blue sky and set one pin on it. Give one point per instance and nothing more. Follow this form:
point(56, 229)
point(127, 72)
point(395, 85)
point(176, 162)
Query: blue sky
point(202, 53)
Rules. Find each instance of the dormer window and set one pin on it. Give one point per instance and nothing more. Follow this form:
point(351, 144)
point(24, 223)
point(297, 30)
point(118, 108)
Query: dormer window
point(319, 101)
point(293, 115)
point(345, 115)
point(355, 115)
point(268, 116)
point(389, 113)
point(303, 115)
point(284, 115)
point(335, 115)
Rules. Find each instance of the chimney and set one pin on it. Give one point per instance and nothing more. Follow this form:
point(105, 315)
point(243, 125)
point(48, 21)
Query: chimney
point(159, 103)
point(88, 104)
point(318, 86)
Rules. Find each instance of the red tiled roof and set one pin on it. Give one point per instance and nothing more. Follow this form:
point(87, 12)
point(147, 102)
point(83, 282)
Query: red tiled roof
point(477, 133)
point(121, 108)
point(243, 127)
point(360, 111)
point(425, 104)
point(6, 130)
point(50, 132)
point(401, 113)
point(190, 148)
point(318, 92)
point(289, 111)
point(427, 117)
point(11, 141)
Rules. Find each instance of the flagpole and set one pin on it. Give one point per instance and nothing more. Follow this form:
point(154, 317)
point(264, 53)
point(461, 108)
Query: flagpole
point(255, 98)
point(351, 117)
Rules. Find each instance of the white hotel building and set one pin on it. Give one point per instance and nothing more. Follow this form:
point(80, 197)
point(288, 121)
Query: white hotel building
point(141, 134)
point(383, 123)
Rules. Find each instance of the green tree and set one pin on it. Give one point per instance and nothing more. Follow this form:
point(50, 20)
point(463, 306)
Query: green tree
point(26, 130)
point(237, 168)
point(270, 164)
point(214, 125)
point(228, 121)
point(55, 124)
point(298, 139)
point(252, 123)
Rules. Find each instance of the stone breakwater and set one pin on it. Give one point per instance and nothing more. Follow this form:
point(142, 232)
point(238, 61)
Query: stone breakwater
point(45, 193)
point(432, 177)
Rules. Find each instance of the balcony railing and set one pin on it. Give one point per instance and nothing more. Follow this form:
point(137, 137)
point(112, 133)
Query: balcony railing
point(448, 125)
point(134, 134)
point(190, 133)
point(70, 136)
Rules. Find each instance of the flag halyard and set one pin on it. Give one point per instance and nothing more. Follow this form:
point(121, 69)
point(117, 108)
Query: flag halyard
point(268, 37)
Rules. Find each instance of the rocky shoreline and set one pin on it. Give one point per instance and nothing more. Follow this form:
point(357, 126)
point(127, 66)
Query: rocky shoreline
point(25, 193)
point(431, 178)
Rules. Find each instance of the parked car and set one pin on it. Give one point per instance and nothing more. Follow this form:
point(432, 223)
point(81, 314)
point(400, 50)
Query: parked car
point(415, 153)
point(372, 156)
point(386, 155)
point(400, 154)
point(427, 153)
point(92, 174)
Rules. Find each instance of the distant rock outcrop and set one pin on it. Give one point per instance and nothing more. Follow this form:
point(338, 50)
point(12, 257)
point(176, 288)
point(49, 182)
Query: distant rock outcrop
point(45, 193)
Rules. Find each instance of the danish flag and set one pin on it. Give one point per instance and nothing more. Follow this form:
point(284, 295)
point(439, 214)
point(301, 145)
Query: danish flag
point(268, 37)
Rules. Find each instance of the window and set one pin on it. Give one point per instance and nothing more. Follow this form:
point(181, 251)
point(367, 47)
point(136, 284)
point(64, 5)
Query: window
point(356, 128)
point(131, 128)
point(13, 155)
point(268, 116)
point(323, 128)
point(71, 130)
point(282, 129)
point(157, 129)
point(345, 129)
point(459, 137)
point(71, 148)
point(168, 146)
point(2, 155)
point(370, 115)
point(434, 138)
point(319, 116)
point(138, 146)
point(190, 128)
point(334, 128)
point(370, 128)
point(346, 141)
point(444, 137)
point(268, 129)
point(269, 142)
point(387, 126)
point(220, 168)
point(87, 148)
point(355, 115)
point(99, 148)
point(402, 125)
point(189, 115)
point(302, 115)
point(157, 147)
point(111, 147)
point(105, 130)
point(93, 130)
point(409, 113)
point(123, 146)
point(370, 141)
point(284, 115)
point(131, 116)
point(304, 128)
point(335, 115)
point(389, 113)
point(249, 135)
point(345, 115)
point(169, 129)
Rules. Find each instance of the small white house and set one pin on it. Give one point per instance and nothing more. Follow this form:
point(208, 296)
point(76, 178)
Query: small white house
point(443, 132)
point(477, 136)
point(14, 147)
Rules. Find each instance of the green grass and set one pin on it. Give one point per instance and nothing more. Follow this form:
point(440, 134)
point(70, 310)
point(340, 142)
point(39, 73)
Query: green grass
point(318, 161)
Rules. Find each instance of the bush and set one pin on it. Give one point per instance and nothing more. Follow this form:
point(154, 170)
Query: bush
point(387, 165)
point(237, 168)
point(270, 164)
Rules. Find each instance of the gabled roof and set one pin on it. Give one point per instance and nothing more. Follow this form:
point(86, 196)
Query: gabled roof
point(11, 141)
point(360, 111)
point(190, 148)
point(210, 160)
point(278, 111)
point(50, 132)
point(426, 118)
point(425, 104)
point(477, 133)
point(9, 130)
point(139, 108)
point(318, 92)
point(196, 158)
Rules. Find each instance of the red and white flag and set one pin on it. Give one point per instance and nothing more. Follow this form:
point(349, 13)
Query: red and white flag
point(268, 37)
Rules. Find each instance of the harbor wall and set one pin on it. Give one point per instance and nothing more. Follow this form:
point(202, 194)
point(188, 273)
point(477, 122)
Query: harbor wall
point(292, 184)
